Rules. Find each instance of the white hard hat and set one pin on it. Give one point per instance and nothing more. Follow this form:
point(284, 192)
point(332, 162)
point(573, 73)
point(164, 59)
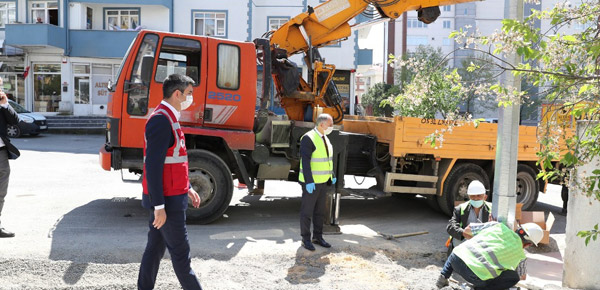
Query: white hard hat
point(475, 188)
point(534, 232)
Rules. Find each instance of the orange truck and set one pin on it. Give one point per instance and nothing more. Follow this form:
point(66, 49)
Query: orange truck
point(228, 138)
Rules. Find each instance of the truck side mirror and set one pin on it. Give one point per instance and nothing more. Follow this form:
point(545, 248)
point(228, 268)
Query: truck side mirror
point(147, 65)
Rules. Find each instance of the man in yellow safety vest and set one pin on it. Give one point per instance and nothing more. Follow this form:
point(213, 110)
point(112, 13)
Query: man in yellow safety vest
point(493, 257)
point(316, 178)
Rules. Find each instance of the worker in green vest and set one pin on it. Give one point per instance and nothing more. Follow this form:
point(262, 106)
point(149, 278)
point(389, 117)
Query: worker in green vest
point(316, 178)
point(476, 210)
point(494, 257)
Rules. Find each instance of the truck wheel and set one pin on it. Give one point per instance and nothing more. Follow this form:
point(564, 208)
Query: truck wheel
point(211, 178)
point(455, 186)
point(527, 186)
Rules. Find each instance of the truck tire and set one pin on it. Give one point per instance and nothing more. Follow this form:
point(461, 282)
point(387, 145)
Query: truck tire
point(211, 178)
point(455, 186)
point(527, 186)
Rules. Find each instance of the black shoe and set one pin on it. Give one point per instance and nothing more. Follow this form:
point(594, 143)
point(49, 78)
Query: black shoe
point(321, 243)
point(6, 234)
point(308, 245)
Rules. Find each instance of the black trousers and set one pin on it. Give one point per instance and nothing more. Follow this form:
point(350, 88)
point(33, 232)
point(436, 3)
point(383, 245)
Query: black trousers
point(313, 208)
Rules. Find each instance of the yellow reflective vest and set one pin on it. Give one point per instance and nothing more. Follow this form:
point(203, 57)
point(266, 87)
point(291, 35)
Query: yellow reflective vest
point(492, 251)
point(321, 165)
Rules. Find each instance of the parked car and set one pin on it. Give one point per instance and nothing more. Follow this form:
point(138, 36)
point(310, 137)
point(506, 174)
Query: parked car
point(29, 123)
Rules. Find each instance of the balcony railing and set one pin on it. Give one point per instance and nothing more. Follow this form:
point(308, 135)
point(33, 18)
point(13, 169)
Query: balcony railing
point(35, 35)
point(100, 43)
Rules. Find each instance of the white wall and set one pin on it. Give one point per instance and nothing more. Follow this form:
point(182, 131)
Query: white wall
point(151, 16)
point(237, 16)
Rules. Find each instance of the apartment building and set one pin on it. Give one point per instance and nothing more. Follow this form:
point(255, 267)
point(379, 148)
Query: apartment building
point(57, 56)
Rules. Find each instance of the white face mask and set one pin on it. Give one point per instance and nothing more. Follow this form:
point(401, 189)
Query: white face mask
point(328, 130)
point(188, 102)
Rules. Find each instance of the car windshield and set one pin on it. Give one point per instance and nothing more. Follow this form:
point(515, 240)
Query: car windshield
point(18, 107)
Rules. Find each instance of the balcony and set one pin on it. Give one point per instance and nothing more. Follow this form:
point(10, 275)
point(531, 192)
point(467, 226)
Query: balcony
point(33, 36)
point(165, 3)
point(100, 43)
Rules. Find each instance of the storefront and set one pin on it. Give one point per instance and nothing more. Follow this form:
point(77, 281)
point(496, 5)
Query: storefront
point(14, 82)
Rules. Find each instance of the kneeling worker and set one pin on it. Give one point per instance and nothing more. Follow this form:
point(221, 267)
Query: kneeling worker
point(490, 259)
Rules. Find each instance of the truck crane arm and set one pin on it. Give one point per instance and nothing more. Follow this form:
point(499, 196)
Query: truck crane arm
point(321, 26)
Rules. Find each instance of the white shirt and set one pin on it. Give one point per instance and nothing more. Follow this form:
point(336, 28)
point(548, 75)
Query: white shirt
point(177, 115)
point(175, 112)
point(2, 142)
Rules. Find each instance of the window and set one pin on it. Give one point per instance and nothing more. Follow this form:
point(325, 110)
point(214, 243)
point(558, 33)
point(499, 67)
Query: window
point(416, 40)
point(7, 13)
point(210, 23)
point(44, 12)
point(81, 77)
point(181, 56)
point(276, 22)
point(447, 24)
point(447, 8)
point(46, 87)
point(447, 41)
point(122, 19)
point(228, 67)
point(415, 23)
point(137, 102)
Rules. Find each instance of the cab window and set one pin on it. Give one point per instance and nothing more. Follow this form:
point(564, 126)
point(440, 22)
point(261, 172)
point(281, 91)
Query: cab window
point(137, 102)
point(180, 56)
point(228, 67)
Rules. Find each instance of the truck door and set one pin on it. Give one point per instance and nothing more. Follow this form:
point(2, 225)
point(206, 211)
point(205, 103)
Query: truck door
point(136, 94)
point(152, 65)
point(184, 56)
point(231, 85)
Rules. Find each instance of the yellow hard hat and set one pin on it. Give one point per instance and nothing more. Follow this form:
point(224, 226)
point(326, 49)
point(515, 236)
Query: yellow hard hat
point(534, 232)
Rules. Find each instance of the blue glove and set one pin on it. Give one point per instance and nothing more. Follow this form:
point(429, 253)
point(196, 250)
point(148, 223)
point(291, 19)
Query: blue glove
point(310, 187)
point(334, 180)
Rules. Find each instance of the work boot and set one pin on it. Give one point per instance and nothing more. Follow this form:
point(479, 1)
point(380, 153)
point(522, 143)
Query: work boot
point(441, 282)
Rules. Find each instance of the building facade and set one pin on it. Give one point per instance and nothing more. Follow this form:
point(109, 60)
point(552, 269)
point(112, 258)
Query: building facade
point(57, 56)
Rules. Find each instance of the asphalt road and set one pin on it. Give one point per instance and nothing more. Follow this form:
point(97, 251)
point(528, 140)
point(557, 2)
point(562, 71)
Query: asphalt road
point(78, 226)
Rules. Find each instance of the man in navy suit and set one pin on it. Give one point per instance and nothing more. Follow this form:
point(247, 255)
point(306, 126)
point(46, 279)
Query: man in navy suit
point(167, 187)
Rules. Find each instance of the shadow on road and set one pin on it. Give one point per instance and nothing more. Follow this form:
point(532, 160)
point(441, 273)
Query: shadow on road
point(62, 143)
point(113, 231)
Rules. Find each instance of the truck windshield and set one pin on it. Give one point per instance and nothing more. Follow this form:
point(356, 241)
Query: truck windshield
point(113, 85)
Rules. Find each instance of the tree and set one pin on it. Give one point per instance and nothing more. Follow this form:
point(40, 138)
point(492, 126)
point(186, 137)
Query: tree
point(564, 63)
point(378, 93)
point(429, 87)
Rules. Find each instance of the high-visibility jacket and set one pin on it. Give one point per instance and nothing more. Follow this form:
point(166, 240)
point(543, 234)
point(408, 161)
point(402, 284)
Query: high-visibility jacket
point(463, 206)
point(492, 251)
point(321, 164)
point(175, 170)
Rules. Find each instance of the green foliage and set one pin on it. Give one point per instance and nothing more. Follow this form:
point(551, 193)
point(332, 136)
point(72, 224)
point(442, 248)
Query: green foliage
point(563, 61)
point(377, 97)
point(591, 234)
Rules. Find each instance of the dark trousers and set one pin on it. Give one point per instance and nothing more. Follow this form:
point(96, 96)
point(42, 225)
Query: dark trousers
point(313, 207)
point(4, 174)
point(506, 279)
point(173, 236)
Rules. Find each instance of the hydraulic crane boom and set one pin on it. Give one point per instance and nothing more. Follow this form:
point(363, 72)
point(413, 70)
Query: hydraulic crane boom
point(318, 27)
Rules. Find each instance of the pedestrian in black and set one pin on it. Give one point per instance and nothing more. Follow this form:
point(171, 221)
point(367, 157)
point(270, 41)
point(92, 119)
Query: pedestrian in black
point(8, 116)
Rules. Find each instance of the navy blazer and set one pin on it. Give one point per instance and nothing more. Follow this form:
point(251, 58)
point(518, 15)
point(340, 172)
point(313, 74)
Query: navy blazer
point(159, 137)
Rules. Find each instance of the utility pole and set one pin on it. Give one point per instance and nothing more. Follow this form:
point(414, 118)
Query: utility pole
point(505, 171)
point(391, 50)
